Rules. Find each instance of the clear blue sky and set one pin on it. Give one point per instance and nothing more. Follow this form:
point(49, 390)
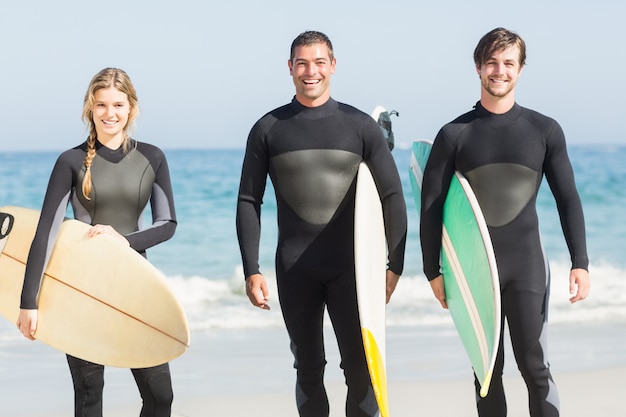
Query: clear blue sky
point(205, 71)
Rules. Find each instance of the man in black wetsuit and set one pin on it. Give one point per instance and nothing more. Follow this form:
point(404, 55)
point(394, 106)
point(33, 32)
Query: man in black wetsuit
point(504, 150)
point(311, 148)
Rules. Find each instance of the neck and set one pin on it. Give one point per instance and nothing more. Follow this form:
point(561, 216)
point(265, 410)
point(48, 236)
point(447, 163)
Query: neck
point(497, 105)
point(111, 141)
point(309, 102)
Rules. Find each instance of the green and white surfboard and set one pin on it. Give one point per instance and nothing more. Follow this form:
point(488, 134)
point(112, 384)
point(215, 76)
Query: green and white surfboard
point(468, 267)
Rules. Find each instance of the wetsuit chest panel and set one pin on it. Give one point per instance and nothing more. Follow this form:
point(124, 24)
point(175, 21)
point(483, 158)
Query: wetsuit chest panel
point(503, 190)
point(120, 191)
point(314, 182)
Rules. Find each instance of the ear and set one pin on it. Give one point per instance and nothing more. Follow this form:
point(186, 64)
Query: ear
point(290, 64)
point(332, 65)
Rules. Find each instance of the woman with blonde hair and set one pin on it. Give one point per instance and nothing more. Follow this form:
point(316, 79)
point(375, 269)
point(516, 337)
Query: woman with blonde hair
point(109, 180)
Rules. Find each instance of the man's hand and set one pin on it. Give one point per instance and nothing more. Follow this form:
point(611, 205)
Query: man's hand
point(392, 281)
point(257, 292)
point(439, 290)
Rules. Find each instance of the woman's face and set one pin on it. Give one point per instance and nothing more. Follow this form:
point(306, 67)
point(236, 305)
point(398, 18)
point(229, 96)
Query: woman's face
point(110, 111)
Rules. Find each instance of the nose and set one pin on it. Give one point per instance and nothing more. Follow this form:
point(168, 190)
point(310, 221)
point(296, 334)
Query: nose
point(311, 68)
point(500, 68)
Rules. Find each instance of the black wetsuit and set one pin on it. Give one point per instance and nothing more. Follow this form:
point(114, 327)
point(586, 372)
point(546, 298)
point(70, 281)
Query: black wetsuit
point(123, 183)
point(312, 157)
point(504, 158)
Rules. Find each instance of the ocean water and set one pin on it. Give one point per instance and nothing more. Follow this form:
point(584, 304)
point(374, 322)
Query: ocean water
point(202, 261)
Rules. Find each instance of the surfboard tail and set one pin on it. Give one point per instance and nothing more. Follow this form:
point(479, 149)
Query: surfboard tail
point(484, 387)
point(376, 366)
point(6, 224)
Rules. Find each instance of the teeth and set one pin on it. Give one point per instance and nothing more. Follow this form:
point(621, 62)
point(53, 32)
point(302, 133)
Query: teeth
point(109, 123)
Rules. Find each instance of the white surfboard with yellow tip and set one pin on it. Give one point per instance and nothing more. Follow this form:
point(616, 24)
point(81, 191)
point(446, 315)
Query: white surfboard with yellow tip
point(370, 252)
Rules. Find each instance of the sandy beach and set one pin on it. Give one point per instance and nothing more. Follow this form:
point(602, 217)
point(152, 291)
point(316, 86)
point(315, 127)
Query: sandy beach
point(243, 373)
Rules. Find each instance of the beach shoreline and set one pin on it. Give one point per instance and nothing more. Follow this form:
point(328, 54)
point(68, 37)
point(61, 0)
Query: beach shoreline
point(249, 372)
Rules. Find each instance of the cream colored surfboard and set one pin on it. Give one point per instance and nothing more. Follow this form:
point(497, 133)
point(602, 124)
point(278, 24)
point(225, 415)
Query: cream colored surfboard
point(99, 300)
point(370, 262)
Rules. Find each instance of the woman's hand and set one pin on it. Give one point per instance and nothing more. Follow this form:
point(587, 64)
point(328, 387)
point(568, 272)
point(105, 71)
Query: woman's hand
point(27, 323)
point(104, 229)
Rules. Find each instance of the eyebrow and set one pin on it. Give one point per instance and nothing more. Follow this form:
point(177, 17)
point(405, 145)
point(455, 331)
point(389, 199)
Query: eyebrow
point(296, 59)
point(115, 102)
point(492, 58)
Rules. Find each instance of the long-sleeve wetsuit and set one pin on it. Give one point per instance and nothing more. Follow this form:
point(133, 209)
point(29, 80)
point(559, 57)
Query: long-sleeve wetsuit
point(123, 184)
point(504, 157)
point(312, 157)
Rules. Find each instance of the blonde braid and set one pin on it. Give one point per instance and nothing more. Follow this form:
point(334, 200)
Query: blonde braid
point(91, 153)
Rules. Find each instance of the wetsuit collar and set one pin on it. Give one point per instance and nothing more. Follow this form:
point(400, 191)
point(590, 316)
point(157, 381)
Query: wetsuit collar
point(314, 113)
point(112, 155)
point(496, 120)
